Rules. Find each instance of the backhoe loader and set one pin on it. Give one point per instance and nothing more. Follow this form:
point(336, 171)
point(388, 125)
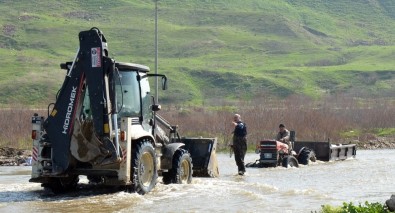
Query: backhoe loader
point(104, 125)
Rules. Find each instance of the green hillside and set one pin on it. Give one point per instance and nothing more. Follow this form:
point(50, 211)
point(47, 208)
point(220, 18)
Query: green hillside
point(210, 50)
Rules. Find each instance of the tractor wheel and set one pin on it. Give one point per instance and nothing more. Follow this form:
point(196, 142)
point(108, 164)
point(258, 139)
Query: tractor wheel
point(181, 171)
point(306, 155)
point(252, 164)
point(61, 185)
point(290, 161)
point(144, 172)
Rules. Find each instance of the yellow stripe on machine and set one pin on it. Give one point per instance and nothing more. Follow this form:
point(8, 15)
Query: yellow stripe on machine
point(53, 113)
point(106, 128)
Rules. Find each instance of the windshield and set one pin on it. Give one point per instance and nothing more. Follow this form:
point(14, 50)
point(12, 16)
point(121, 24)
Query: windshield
point(128, 98)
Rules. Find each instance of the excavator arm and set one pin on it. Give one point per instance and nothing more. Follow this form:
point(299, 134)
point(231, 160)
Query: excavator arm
point(91, 69)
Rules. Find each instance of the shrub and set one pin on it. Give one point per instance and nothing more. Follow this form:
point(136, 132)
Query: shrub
point(351, 208)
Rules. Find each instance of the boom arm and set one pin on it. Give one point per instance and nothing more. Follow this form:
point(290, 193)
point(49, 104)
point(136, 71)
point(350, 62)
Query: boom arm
point(173, 129)
point(91, 69)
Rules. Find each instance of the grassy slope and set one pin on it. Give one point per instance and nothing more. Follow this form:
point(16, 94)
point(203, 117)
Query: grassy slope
point(209, 49)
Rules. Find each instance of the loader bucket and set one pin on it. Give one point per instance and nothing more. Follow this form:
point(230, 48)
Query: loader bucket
point(204, 158)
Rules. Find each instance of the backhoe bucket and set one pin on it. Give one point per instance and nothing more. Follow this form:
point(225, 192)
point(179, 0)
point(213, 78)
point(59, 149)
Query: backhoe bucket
point(204, 158)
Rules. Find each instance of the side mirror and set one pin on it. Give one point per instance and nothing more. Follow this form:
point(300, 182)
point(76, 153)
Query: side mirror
point(151, 122)
point(164, 80)
point(164, 83)
point(156, 107)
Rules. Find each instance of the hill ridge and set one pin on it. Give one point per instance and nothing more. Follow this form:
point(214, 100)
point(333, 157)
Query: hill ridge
point(209, 49)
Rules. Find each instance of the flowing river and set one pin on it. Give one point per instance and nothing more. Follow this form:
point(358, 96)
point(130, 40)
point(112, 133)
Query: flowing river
point(368, 177)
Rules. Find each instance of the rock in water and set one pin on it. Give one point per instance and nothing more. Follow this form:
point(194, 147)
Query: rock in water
point(391, 203)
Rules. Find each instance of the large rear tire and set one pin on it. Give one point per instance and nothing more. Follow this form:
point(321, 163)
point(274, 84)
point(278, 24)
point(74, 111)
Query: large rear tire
point(290, 161)
point(181, 171)
point(144, 173)
point(306, 155)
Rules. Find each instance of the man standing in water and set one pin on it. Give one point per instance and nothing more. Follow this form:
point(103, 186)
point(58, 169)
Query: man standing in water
point(239, 142)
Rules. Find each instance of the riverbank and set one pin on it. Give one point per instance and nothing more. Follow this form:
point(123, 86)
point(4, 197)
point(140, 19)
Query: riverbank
point(375, 143)
point(14, 157)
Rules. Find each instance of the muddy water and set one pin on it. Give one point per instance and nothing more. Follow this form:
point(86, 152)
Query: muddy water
point(369, 177)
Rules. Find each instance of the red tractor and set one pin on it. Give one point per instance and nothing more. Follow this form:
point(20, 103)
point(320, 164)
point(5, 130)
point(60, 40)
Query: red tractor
point(274, 153)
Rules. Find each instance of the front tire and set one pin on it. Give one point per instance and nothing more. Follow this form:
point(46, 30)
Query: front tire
point(290, 161)
point(252, 164)
point(181, 171)
point(144, 173)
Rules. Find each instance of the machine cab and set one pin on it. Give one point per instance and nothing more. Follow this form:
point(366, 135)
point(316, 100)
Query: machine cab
point(132, 90)
point(132, 93)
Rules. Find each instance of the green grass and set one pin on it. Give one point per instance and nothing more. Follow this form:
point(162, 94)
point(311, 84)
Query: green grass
point(385, 131)
point(380, 132)
point(352, 208)
point(224, 49)
point(351, 134)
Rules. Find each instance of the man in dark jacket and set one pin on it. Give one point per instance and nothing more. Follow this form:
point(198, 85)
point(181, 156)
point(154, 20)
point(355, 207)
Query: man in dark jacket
point(239, 142)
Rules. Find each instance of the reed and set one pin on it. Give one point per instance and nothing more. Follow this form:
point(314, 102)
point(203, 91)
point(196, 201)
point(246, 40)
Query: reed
point(338, 118)
point(313, 120)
